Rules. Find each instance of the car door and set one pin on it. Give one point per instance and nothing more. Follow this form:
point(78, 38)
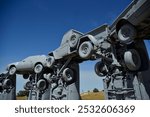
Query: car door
point(25, 65)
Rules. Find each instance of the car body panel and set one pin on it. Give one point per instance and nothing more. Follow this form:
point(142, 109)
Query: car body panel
point(27, 64)
point(100, 34)
point(137, 13)
point(95, 36)
point(64, 48)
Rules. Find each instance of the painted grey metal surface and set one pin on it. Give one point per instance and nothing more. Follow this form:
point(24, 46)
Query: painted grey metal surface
point(68, 44)
point(67, 91)
point(27, 65)
point(144, 79)
point(129, 85)
point(123, 61)
point(137, 13)
point(7, 89)
point(56, 88)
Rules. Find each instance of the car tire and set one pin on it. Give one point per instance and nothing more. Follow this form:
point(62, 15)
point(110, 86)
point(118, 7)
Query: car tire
point(127, 33)
point(73, 41)
point(28, 85)
point(41, 84)
point(12, 70)
point(7, 84)
point(132, 60)
point(100, 69)
point(38, 68)
point(25, 76)
point(67, 75)
point(85, 49)
point(50, 61)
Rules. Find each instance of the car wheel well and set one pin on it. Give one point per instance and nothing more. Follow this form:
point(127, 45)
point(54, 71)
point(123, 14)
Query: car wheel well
point(12, 70)
point(85, 39)
point(121, 23)
point(36, 67)
point(74, 77)
point(12, 66)
point(38, 63)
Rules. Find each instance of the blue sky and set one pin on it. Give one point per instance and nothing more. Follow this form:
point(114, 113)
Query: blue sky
point(34, 27)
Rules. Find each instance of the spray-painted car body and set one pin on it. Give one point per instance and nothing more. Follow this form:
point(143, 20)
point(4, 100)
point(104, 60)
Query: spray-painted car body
point(68, 44)
point(72, 41)
point(28, 64)
point(137, 14)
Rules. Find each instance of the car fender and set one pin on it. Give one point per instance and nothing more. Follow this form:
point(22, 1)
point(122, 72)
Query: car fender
point(89, 38)
point(12, 64)
point(121, 22)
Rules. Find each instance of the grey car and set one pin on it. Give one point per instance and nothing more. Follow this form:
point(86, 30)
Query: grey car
point(133, 22)
point(78, 45)
point(31, 64)
point(68, 44)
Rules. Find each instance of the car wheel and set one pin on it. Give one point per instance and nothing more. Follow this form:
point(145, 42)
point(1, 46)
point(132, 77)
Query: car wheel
point(127, 33)
point(132, 60)
point(28, 85)
point(50, 61)
point(67, 75)
point(25, 76)
point(38, 68)
point(12, 70)
point(100, 69)
point(41, 84)
point(7, 83)
point(85, 49)
point(73, 41)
